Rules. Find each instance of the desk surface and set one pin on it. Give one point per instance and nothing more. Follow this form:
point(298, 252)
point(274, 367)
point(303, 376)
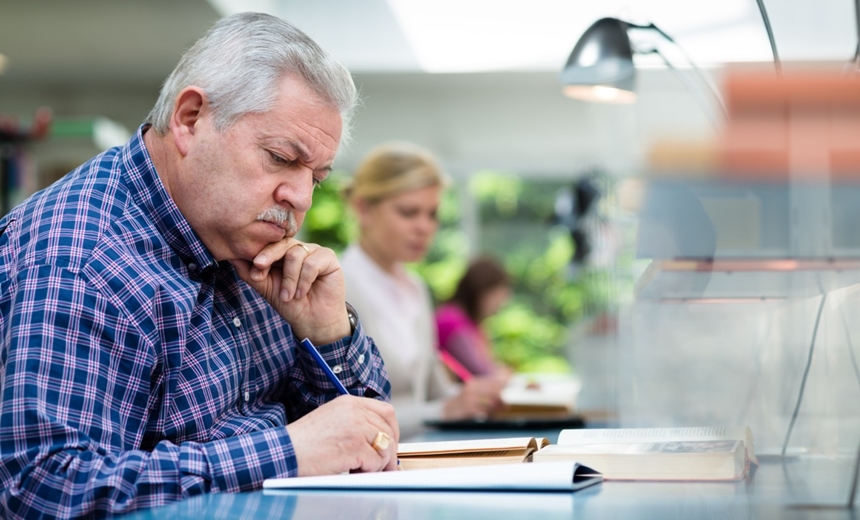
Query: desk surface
point(778, 488)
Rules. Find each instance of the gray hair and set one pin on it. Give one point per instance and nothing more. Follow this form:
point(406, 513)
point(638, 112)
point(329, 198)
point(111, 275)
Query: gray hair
point(240, 63)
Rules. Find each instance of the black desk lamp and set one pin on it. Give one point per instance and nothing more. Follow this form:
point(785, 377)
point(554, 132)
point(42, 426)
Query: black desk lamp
point(600, 67)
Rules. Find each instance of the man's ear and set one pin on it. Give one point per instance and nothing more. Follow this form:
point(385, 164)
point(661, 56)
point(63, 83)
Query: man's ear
point(190, 106)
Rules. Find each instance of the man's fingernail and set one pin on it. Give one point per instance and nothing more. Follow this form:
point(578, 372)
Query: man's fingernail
point(256, 274)
point(261, 259)
point(285, 295)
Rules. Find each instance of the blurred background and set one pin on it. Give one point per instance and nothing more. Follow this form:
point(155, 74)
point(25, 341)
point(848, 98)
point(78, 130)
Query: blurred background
point(576, 198)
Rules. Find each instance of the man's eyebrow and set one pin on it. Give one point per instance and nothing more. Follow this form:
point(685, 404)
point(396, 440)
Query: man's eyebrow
point(301, 150)
point(297, 148)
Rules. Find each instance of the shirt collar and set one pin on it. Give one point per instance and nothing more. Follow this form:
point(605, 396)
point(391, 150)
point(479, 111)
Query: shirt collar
point(149, 193)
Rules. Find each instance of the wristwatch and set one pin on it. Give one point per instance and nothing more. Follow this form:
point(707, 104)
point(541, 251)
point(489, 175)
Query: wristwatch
point(353, 318)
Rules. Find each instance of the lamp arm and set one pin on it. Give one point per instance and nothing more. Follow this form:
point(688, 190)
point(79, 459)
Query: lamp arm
point(856, 59)
point(693, 65)
point(767, 27)
point(693, 90)
point(653, 27)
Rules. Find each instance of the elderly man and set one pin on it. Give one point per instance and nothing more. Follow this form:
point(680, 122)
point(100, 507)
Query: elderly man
point(152, 300)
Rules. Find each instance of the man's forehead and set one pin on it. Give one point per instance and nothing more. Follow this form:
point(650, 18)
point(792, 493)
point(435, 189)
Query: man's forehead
point(299, 103)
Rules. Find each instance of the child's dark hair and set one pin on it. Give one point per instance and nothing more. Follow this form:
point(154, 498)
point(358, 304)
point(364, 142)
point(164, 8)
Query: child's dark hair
point(484, 274)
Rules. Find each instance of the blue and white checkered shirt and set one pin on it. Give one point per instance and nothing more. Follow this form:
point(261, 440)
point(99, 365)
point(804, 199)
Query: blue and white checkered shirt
point(136, 370)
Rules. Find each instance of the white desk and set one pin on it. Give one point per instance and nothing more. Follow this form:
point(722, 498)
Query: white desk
point(774, 491)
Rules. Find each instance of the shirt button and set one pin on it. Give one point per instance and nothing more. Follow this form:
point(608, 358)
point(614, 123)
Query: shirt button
point(337, 369)
point(237, 322)
point(361, 358)
point(192, 266)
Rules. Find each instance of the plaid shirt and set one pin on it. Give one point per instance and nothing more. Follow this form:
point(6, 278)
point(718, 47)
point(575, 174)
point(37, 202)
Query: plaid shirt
point(137, 370)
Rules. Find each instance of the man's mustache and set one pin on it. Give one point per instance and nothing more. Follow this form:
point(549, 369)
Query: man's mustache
point(281, 217)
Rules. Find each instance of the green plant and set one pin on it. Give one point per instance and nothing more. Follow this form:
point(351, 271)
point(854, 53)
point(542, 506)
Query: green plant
point(447, 259)
point(531, 332)
point(329, 222)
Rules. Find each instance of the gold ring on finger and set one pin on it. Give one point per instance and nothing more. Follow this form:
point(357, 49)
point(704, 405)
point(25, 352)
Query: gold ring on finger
point(381, 441)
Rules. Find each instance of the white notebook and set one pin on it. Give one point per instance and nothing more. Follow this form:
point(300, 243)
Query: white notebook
point(553, 476)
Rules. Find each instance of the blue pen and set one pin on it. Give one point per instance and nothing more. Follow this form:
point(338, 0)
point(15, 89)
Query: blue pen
point(328, 373)
point(324, 366)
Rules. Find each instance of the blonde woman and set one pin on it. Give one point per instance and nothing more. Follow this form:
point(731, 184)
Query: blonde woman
point(395, 195)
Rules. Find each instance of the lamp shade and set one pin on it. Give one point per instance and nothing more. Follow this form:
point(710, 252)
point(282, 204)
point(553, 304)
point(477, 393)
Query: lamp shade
point(600, 67)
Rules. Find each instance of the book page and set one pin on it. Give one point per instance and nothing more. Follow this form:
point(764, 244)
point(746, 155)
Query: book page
point(470, 445)
point(628, 435)
point(541, 391)
point(658, 460)
point(683, 447)
point(550, 476)
point(645, 435)
point(478, 458)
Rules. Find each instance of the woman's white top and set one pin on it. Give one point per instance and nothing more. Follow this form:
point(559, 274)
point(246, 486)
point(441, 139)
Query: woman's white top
point(397, 312)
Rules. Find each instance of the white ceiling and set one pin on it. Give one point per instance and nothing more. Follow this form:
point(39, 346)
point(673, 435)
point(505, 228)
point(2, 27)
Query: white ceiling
point(494, 35)
point(108, 58)
point(88, 41)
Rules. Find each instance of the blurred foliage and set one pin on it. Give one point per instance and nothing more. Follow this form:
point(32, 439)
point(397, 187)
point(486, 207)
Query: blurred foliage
point(517, 227)
point(447, 259)
point(330, 222)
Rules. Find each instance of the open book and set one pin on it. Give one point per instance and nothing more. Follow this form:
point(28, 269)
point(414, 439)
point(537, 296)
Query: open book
point(553, 476)
point(539, 395)
point(530, 402)
point(657, 453)
point(422, 455)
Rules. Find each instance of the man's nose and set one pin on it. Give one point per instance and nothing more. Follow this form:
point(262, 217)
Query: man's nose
point(297, 191)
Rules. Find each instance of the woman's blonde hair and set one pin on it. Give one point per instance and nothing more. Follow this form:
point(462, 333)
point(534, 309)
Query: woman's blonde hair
point(392, 169)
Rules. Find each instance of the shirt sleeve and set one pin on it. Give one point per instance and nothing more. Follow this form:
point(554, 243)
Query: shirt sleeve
point(75, 399)
point(355, 361)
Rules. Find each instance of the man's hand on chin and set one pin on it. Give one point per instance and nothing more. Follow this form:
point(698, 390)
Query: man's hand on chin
point(304, 283)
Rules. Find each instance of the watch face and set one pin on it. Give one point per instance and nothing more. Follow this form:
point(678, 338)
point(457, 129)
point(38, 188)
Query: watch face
point(352, 315)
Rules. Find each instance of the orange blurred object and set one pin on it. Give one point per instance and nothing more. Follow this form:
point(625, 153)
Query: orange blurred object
point(804, 124)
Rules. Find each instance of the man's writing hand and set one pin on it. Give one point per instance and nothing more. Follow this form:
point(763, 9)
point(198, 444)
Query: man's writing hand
point(337, 437)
